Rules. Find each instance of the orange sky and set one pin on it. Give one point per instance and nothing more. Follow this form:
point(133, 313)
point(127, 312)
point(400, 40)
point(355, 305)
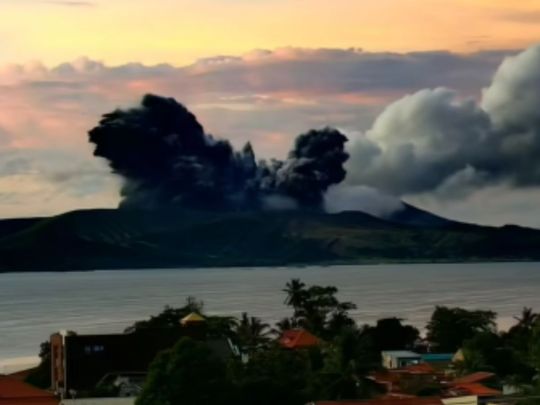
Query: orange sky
point(179, 31)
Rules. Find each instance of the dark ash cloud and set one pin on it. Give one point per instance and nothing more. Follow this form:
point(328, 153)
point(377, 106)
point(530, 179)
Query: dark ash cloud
point(167, 159)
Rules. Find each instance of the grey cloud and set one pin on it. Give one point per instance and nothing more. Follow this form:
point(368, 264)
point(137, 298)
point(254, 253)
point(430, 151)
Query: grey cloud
point(367, 199)
point(348, 71)
point(326, 71)
point(434, 141)
point(75, 175)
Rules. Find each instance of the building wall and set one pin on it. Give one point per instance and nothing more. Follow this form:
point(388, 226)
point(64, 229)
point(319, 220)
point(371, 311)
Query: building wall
point(57, 362)
point(99, 401)
point(468, 400)
point(390, 361)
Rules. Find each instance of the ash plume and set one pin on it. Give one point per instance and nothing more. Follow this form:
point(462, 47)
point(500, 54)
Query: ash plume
point(166, 159)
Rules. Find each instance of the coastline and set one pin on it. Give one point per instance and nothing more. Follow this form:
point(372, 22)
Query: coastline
point(367, 262)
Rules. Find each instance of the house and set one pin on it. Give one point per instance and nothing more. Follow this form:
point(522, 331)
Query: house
point(439, 361)
point(413, 379)
point(298, 339)
point(13, 391)
point(399, 359)
point(80, 363)
point(466, 400)
point(482, 385)
point(478, 377)
point(386, 401)
point(474, 389)
point(99, 401)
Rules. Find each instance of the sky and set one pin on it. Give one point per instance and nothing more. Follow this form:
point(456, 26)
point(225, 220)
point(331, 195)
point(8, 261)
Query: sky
point(251, 70)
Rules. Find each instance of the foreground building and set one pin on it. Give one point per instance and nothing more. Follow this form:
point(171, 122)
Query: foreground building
point(399, 359)
point(384, 401)
point(82, 363)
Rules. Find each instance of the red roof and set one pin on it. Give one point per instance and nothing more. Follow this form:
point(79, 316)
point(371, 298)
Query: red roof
point(385, 377)
point(476, 389)
point(387, 401)
point(15, 392)
point(298, 338)
point(21, 375)
point(420, 368)
point(473, 378)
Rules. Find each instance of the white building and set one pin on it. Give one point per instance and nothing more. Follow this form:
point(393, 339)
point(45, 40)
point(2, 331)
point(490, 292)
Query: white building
point(399, 359)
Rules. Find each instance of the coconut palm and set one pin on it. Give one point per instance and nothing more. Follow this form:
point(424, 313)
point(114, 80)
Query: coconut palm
point(296, 293)
point(251, 332)
point(527, 319)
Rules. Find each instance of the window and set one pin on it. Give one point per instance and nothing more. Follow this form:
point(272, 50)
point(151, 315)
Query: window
point(92, 349)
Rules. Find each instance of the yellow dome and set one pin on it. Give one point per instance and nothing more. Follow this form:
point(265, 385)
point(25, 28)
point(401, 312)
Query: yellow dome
point(193, 317)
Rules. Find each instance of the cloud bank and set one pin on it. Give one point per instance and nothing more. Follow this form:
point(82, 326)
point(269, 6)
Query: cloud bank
point(434, 141)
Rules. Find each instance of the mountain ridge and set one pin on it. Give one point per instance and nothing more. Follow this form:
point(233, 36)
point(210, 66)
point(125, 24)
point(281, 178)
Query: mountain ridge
point(122, 238)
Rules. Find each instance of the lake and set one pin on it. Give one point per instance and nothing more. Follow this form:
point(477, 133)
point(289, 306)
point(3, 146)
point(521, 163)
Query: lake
point(34, 305)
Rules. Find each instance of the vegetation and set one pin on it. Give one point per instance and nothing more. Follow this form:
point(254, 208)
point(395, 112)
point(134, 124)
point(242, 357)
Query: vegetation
point(450, 327)
point(189, 373)
point(112, 239)
point(336, 369)
point(41, 376)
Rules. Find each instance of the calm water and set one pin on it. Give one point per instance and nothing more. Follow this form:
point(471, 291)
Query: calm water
point(36, 304)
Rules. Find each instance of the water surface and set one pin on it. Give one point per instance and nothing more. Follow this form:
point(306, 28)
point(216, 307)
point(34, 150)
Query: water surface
point(34, 305)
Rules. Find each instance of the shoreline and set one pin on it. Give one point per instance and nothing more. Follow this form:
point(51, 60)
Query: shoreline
point(374, 262)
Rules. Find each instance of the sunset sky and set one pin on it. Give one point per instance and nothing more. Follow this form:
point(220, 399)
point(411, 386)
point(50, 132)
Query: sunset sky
point(180, 31)
point(252, 70)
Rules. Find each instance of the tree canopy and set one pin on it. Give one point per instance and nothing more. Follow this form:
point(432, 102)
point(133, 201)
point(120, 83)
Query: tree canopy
point(188, 374)
point(449, 328)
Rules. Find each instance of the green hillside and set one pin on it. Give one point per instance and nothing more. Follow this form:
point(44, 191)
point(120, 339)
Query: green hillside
point(111, 239)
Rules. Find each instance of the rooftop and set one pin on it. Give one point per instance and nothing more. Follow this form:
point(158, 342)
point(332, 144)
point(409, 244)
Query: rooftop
point(434, 357)
point(193, 317)
point(387, 401)
point(298, 338)
point(476, 389)
point(14, 391)
point(400, 353)
point(473, 378)
point(420, 368)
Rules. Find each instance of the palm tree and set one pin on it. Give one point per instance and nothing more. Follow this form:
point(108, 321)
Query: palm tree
point(296, 293)
point(251, 331)
point(221, 326)
point(527, 319)
point(284, 325)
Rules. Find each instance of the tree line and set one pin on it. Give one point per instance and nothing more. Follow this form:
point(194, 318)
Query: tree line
point(190, 373)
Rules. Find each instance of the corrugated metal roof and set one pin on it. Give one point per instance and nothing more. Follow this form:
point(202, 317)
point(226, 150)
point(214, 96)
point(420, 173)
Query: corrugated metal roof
point(433, 357)
point(473, 378)
point(400, 353)
point(477, 389)
point(387, 401)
